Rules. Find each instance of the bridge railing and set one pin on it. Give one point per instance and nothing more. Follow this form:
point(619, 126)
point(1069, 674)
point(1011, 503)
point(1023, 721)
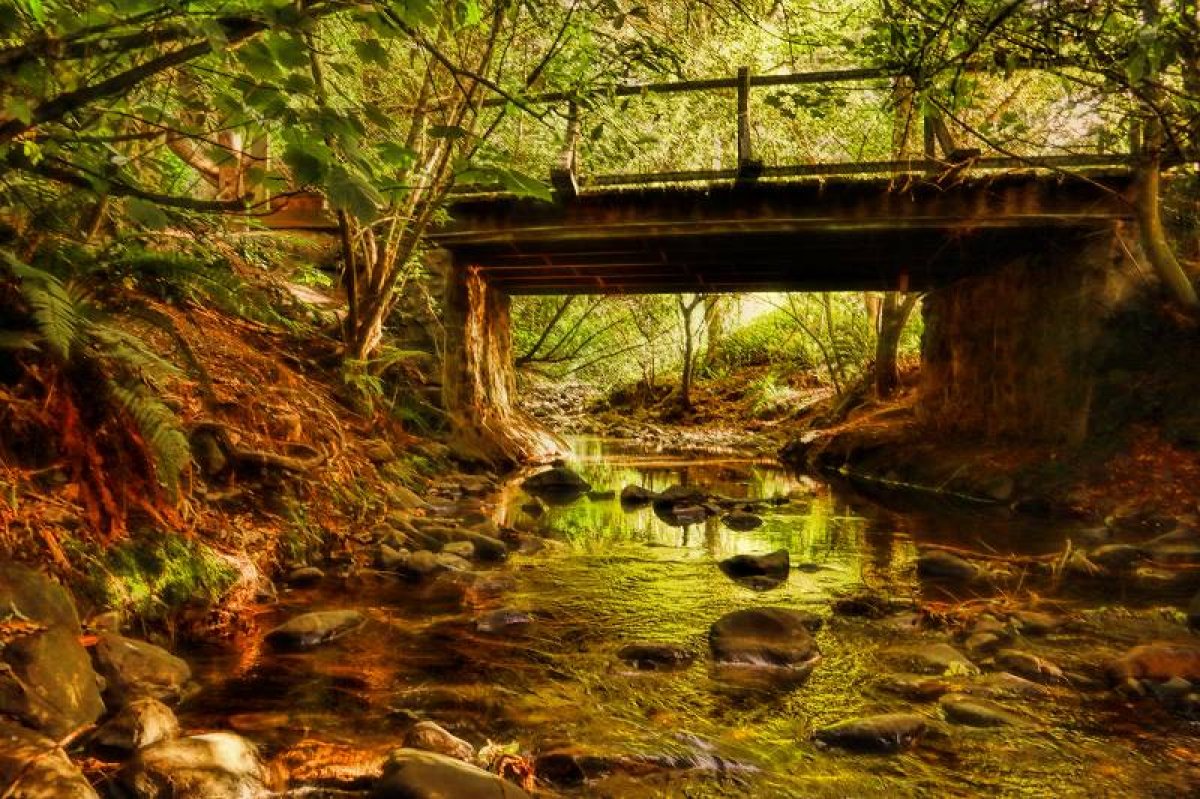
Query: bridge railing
point(835, 123)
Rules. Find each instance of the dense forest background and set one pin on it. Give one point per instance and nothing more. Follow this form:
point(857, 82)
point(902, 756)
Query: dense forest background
point(146, 143)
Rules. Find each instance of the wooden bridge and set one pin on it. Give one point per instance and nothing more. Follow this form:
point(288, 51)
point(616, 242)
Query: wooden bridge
point(946, 212)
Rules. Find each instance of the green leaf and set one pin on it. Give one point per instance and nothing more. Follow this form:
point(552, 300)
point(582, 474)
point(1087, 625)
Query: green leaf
point(259, 61)
point(469, 13)
point(36, 10)
point(145, 213)
point(510, 180)
point(446, 132)
point(371, 51)
point(12, 340)
point(308, 159)
point(289, 51)
point(396, 155)
point(350, 192)
point(19, 108)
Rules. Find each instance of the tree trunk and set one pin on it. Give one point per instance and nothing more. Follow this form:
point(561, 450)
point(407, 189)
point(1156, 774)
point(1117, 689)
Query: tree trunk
point(687, 310)
point(1150, 227)
point(893, 316)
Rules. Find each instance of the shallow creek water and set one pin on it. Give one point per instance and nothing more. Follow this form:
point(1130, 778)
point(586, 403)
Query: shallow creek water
point(609, 577)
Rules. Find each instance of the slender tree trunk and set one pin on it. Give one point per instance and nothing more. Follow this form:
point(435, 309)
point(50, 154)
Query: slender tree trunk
point(893, 316)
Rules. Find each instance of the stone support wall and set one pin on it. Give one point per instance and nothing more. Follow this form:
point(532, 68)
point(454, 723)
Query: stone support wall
point(1013, 353)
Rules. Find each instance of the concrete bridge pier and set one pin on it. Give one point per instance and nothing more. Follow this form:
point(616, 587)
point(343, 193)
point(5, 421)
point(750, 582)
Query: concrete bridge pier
point(479, 391)
point(1018, 351)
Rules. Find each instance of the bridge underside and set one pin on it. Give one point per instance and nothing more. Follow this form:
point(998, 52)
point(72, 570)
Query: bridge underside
point(1016, 267)
point(849, 235)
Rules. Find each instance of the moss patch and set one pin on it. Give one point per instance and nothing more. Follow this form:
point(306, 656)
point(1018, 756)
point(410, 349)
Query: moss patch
point(153, 575)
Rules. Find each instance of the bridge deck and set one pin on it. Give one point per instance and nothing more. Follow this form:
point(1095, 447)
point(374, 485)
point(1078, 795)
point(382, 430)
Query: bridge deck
point(807, 236)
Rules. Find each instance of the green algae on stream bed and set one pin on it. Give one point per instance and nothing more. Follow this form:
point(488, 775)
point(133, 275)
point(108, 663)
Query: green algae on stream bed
point(611, 577)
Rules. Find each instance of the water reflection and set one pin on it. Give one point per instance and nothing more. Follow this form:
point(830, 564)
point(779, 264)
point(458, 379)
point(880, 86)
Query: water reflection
point(815, 525)
point(555, 682)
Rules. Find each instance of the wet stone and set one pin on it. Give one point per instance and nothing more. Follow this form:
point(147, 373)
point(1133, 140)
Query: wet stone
point(390, 559)
point(741, 521)
point(939, 564)
point(1029, 666)
point(413, 774)
point(140, 723)
point(534, 508)
point(1003, 685)
point(462, 549)
point(866, 605)
point(218, 765)
point(304, 576)
point(135, 669)
point(935, 659)
point(635, 496)
point(1193, 613)
point(503, 620)
point(916, 687)
point(653, 656)
point(312, 629)
point(46, 676)
point(1031, 622)
point(884, 733)
point(682, 495)
point(1116, 557)
point(556, 485)
point(983, 643)
point(429, 737)
point(773, 567)
point(765, 636)
point(1156, 662)
point(32, 767)
point(486, 547)
point(974, 712)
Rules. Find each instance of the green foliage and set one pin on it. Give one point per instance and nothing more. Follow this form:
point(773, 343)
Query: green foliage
point(66, 325)
point(159, 428)
point(153, 574)
point(769, 338)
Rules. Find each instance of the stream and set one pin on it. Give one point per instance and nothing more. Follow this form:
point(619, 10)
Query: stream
point(544, 676)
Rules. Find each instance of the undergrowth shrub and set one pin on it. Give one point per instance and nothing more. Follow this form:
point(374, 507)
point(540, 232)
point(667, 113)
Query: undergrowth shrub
point(767, 339)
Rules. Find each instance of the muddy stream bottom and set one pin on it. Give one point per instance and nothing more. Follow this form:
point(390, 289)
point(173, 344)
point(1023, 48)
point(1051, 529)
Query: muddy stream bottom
point(605, 577)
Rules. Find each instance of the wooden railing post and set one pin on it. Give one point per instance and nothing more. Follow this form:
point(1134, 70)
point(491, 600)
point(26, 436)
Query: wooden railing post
point(748, 167)
point(563, 176)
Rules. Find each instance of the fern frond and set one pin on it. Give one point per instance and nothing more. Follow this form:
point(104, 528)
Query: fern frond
point(160, 431)
point(58, 312)
point(129, 353)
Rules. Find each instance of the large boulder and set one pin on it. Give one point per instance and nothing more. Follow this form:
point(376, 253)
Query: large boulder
point(318, 627)
point(218, 765)
point(136, 669)
point(765, 637)
point(46, 678)
point(33, 767)
point(413, 774)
